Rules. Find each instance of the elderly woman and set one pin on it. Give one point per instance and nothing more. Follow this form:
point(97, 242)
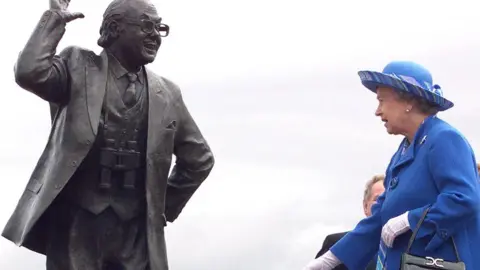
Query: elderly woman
point(431, 183)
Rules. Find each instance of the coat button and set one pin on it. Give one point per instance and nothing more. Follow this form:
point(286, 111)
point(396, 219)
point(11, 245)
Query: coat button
point(74, 163)
point(58, 186)
point(88, 142)
point(443, 234)
point(393, 183)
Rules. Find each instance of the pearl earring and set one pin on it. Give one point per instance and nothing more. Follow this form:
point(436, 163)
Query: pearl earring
point(407, 110)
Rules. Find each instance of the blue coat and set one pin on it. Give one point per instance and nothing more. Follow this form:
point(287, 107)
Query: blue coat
point(438, 169)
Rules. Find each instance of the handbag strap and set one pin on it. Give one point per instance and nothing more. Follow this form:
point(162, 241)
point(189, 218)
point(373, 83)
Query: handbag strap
point(415, 231)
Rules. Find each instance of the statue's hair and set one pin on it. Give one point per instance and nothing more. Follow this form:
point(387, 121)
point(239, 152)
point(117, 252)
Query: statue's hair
point(115, 10)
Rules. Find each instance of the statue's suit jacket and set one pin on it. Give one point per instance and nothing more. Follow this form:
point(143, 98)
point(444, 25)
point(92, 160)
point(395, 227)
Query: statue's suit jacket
point(74, 82)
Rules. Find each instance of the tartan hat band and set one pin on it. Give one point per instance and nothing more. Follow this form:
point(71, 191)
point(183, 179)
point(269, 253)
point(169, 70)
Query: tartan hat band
point(409, 77)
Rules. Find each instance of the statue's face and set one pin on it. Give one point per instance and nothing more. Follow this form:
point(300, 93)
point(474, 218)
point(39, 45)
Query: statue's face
point(142, 33)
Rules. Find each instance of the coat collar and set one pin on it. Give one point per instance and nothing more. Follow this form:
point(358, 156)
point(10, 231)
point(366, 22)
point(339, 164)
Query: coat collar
point(406, 152)
point(118, 70)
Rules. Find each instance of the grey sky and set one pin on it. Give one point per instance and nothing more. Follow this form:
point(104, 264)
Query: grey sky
point(274, 89)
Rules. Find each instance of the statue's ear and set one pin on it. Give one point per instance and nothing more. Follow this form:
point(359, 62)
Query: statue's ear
point(113, 29)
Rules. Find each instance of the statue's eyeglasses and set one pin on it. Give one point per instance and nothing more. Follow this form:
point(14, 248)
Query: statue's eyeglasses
point(148, 27)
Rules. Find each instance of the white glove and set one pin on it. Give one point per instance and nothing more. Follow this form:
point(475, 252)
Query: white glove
point(395, 227)
point(327, 261)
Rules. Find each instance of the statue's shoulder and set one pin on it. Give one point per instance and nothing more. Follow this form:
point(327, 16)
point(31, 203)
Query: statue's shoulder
point(79, 54)
point(168, 86)
point(171, 87)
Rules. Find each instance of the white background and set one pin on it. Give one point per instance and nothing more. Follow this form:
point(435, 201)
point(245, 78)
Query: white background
point(274, 89)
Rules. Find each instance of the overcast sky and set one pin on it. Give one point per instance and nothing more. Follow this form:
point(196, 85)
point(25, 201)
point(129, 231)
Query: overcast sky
point(273, 86)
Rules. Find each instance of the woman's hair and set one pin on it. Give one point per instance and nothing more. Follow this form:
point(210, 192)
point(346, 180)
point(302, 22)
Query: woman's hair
point(422, 104)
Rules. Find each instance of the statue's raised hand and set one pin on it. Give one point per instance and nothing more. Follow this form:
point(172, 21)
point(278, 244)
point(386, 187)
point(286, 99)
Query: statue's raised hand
point(60, 6)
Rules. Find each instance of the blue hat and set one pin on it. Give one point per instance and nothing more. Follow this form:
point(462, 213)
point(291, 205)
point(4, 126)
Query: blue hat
point(409, 77)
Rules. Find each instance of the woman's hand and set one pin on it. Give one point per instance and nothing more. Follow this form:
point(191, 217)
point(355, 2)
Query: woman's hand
point(327, 261)
point(395, 227)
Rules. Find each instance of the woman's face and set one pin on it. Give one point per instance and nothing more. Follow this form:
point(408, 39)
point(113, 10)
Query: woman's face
point(392, 110)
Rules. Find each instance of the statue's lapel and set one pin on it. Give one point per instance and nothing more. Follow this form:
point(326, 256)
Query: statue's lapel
point(95, 86)
point(157, 107)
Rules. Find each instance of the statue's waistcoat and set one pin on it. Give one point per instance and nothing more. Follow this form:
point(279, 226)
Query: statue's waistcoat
point(113, 173)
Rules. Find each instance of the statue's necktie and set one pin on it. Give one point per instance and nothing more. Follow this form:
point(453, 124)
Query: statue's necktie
point(129, 97)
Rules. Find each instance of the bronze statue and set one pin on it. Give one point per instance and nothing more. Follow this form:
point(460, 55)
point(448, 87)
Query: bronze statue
point(101, 193)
